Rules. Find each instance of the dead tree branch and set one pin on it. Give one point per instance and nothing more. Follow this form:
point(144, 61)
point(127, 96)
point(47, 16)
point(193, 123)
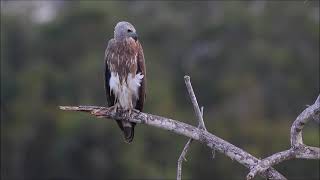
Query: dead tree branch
point(183, 157)
point(201, 125)
point(195, 104)
point(298, 149)
point(212, 141)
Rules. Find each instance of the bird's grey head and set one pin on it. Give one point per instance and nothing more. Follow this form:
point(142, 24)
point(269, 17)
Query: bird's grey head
point(124, 30)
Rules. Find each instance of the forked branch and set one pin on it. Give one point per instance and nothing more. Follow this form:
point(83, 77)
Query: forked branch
point(298, 150)
point(215, 143)
point(201, 125)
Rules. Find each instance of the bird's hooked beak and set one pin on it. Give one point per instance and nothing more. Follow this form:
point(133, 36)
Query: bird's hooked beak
point(134, 36)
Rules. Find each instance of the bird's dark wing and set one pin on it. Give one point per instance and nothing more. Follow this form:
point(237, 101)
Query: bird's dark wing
point(141, 69)
point(107, 73)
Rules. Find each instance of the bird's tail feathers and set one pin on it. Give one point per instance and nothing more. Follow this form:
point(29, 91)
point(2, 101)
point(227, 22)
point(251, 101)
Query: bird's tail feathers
point(128, 131)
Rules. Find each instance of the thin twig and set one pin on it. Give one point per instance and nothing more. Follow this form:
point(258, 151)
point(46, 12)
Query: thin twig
point(183, 157)
point(194, 102)
point(201, 125)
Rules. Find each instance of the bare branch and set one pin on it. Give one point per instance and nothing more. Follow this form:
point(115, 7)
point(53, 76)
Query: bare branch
point(267, 162)
point(201, 125)
point(181, 128)
point(312, 111)
point(256, 166)
point(183, 157)
point(302, 152)
point(194, 102)
point(298, 149)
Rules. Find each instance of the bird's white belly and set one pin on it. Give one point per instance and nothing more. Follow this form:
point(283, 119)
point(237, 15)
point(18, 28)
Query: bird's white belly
point(126, 92)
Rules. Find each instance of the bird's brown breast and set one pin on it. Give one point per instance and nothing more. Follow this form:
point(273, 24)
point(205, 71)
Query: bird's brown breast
point(123, 59)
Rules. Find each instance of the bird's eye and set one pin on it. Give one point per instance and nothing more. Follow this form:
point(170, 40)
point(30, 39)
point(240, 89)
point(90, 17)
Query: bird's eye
point(129, 30)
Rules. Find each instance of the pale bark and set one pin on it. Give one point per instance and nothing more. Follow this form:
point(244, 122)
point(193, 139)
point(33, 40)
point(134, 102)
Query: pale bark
point(298, 150)
point(260, 167)
point(201, 125)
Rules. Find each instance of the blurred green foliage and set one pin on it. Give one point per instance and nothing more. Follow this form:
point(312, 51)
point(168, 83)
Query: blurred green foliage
point(254, 66)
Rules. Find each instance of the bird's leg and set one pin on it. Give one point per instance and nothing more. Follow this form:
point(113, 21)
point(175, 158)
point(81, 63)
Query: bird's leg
point(122, 112)
point(114, 109)
point(128, 114)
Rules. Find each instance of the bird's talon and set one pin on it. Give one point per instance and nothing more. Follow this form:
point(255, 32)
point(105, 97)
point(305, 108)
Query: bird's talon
point(113, 109)
point(128, 114)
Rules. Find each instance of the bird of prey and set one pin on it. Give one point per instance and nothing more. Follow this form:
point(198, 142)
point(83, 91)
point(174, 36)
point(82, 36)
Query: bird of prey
point(125, 74)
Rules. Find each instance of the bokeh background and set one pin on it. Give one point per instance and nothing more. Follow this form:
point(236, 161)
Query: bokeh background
point(254, 66)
